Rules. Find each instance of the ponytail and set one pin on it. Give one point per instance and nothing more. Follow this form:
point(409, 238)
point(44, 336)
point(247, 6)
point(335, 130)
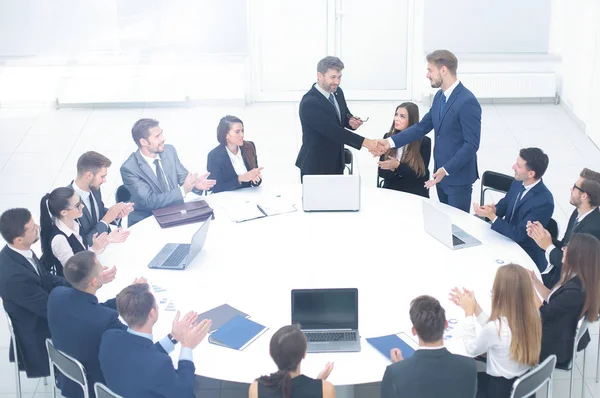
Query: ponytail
point(280, 380)
point(45, 224)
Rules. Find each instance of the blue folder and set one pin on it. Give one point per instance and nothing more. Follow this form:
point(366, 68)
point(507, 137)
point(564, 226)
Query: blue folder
point(238, 333)
point(384, 345)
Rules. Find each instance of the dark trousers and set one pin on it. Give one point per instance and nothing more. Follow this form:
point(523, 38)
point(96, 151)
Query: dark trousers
point(459, 197)
point(494, 387)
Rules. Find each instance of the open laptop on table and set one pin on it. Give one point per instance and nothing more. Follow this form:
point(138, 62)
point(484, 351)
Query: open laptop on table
point(328, 318)
point(439, 225)
point(180, 255)
point(331, 192)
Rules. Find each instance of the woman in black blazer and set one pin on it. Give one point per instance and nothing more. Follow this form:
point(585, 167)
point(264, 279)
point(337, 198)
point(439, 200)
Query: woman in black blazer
point(233, 163)
point(408, 169)
point(576, 295)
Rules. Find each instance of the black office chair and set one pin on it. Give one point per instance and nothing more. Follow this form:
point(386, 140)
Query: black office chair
point(349, 160)
point(493, 181)
point(528, 384)
point(552, 227)
point(122, 194)
point(68, 366)
point(104, 392)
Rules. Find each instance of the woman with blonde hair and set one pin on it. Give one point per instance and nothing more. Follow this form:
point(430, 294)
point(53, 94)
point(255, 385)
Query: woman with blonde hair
point(511, 336)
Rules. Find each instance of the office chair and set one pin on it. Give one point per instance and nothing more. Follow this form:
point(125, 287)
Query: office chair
point(122, 194)
point(528, 384)
point(493, 181)
point(68, 366)
point(104, 392)
point(349, 160)
point(582, 327)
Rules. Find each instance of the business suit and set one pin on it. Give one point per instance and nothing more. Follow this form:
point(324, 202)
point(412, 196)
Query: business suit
point(87, 225)
point(537, 204)
point(134, 367)
point(406, 179)
point(559, 321)
point(457, 134)
point(77, 322)
point(221, 169)
point(24, 294)
point(324, 134)
point(430, 374)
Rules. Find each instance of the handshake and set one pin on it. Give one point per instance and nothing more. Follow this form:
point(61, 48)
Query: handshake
point(377, 147)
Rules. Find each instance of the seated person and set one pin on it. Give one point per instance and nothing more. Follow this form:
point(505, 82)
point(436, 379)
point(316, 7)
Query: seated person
point(406, 168)
point(153, 174)
point(576, 295)
point(24, 289)
point(135, 367)
point(288, 349)
point(454, 376)
point(528, 200)
point(59, 211)
point(91, 174)
point(511, 335)
point(233, 163)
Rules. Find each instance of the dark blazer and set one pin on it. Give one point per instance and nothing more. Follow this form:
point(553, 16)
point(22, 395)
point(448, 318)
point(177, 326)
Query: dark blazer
point(430, 374)
point(87, 226)
point(134, 367)
point(25, 297)
point(457, 135)
point(536, 205)
point(404, 178)
point(559, 321)
point(221, 169)
point(323, 134)
point(77, 322)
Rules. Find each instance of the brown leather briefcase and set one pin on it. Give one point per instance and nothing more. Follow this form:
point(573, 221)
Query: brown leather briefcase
point(185, 213)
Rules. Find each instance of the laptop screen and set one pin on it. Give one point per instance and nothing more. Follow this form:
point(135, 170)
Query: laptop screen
point(325, 308)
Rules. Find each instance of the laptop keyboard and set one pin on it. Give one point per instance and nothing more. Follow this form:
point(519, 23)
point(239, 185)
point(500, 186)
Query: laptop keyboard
point(177, 256)
point(330, 336)
point(456, 241)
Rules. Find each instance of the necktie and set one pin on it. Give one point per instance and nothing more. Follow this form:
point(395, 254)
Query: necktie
point(161, 177)
point(332, 100)
point(442, 104)
point(37, 264)
point(516, 202)
point(93, 208)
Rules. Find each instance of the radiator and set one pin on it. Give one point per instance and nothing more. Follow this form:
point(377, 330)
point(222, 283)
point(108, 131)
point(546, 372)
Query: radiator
point(510, 85)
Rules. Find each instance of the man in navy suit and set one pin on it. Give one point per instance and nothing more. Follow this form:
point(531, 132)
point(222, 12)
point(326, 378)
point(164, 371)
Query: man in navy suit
point(527, 200)
point(132, 365)
point(455, 115)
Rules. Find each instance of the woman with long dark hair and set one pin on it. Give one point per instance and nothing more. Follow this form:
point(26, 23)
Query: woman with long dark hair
point(233, 163)
point(288, 349)
point(406, 169)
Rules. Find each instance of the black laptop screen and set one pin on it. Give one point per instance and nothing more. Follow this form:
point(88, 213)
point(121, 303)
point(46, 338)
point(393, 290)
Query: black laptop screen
point(325, 308)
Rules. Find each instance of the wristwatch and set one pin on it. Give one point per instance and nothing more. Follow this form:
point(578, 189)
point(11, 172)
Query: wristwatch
point(173, 339)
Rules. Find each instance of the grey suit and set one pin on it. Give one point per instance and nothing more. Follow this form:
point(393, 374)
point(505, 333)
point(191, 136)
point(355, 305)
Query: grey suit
point(144, 187)
point(89, 226)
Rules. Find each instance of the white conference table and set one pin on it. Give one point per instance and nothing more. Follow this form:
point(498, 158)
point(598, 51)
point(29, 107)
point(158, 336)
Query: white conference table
point(382, 250)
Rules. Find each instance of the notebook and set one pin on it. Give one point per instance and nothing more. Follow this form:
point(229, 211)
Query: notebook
point(238, 333)
point(220, 316)
point(384, 345)
point(267, 206)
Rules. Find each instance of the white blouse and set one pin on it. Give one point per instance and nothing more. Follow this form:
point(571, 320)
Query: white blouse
point(60, 245)
point(237, 161)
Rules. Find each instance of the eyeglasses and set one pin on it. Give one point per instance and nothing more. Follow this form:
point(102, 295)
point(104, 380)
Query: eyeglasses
point(78, 205)
point(577, 188)
point(356, 117)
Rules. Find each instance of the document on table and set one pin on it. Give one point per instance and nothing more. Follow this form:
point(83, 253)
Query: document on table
point(276, 205)
point(250, 210)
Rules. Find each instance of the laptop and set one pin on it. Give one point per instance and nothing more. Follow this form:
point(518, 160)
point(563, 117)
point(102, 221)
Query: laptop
point(331, 192)
point(439, 225)
point(328, 318)
point(180, 255)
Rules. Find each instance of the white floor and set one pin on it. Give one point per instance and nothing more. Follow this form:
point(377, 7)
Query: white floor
point(39, 150)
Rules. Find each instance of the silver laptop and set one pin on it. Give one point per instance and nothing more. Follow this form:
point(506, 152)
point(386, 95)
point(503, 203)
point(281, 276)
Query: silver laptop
point(439, 225)
point(328, 318)
point(179, 255)
point(331, 192)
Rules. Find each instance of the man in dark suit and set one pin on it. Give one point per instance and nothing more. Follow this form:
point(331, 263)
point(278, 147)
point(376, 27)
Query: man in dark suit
point(325, 118)
point(432, 371)
point(585, 196)
point(154, 175)
point(132, 365)
point(92, 168)
point(455, 115)
point(527, 200)
point(24, 289)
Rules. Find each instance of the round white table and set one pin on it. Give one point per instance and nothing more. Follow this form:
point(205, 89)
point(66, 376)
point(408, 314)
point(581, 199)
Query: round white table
point(382, 250)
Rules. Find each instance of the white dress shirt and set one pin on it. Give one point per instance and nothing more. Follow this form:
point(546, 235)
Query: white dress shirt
point(237, 161)
point(185, 354)
point(150, 162)
point(28, 254)
point(327, 94)
point(497, 345)
point(60, 245)
point(85, 198)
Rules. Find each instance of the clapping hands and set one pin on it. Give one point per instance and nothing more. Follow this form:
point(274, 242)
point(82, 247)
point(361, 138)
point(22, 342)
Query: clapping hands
point(466, 300)
point(253, 176)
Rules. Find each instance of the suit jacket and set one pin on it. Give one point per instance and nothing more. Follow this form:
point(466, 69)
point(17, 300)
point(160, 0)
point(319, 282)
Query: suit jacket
point(559, 321)
point(536, 205)
point(430, 374)
point(144, 187)
point(77, 322)
point(221, 169)
point(457, 135)
point(134, 367)
point(404, 178)
point(24, 294)
point(323, 134)
point(88, 226)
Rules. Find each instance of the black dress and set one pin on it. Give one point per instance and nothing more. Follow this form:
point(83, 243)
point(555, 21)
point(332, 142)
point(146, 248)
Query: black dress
point(302, 387)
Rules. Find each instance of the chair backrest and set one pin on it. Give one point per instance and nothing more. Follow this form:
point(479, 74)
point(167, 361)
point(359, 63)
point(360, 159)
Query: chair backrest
point(552, 228)
point(11, 330)
point(494, 181)
point(348, 160)
point(122, 194)
point(104, 392)
point(67, 365)
point(536, 378)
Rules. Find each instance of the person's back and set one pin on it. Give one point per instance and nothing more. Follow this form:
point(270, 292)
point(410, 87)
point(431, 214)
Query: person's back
point(302, 387)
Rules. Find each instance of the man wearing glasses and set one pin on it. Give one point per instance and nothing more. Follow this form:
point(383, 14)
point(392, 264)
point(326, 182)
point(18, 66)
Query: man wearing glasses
point(585, 196)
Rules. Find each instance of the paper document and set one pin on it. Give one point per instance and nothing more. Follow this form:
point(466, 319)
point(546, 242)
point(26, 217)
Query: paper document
point(239, 212)
point(250, 210)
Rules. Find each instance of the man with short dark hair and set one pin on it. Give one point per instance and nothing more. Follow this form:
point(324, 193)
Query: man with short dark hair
point(527, 200)
point(154, 175)
point(432, 371)
point(132, 366)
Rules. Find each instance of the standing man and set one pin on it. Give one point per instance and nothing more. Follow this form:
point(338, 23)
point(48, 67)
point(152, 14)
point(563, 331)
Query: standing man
point(455, 115)
point(325, 118)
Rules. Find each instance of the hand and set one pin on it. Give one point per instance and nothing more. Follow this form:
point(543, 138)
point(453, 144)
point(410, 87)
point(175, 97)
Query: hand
point(539, 234)
point(180, 327)
point(477, 306)
point(435, 178)
point(114, 212)
point(190, 182)
point(488, 211)
point(464, 299)
point(375, 146)
point(139, 280)
point(204, 184)
point(396, 355)
point(119, 235)
point(324, 374)
point(196, 333)
point(253, 175)
point(391, 163)
point(99, 242)
point(125, 210)
point(355, 122)
point(108, 274)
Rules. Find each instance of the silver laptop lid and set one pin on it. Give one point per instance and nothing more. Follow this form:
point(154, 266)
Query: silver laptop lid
point(325, 309)
point(198, 241)
point(437, 224)
point(331, 192)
